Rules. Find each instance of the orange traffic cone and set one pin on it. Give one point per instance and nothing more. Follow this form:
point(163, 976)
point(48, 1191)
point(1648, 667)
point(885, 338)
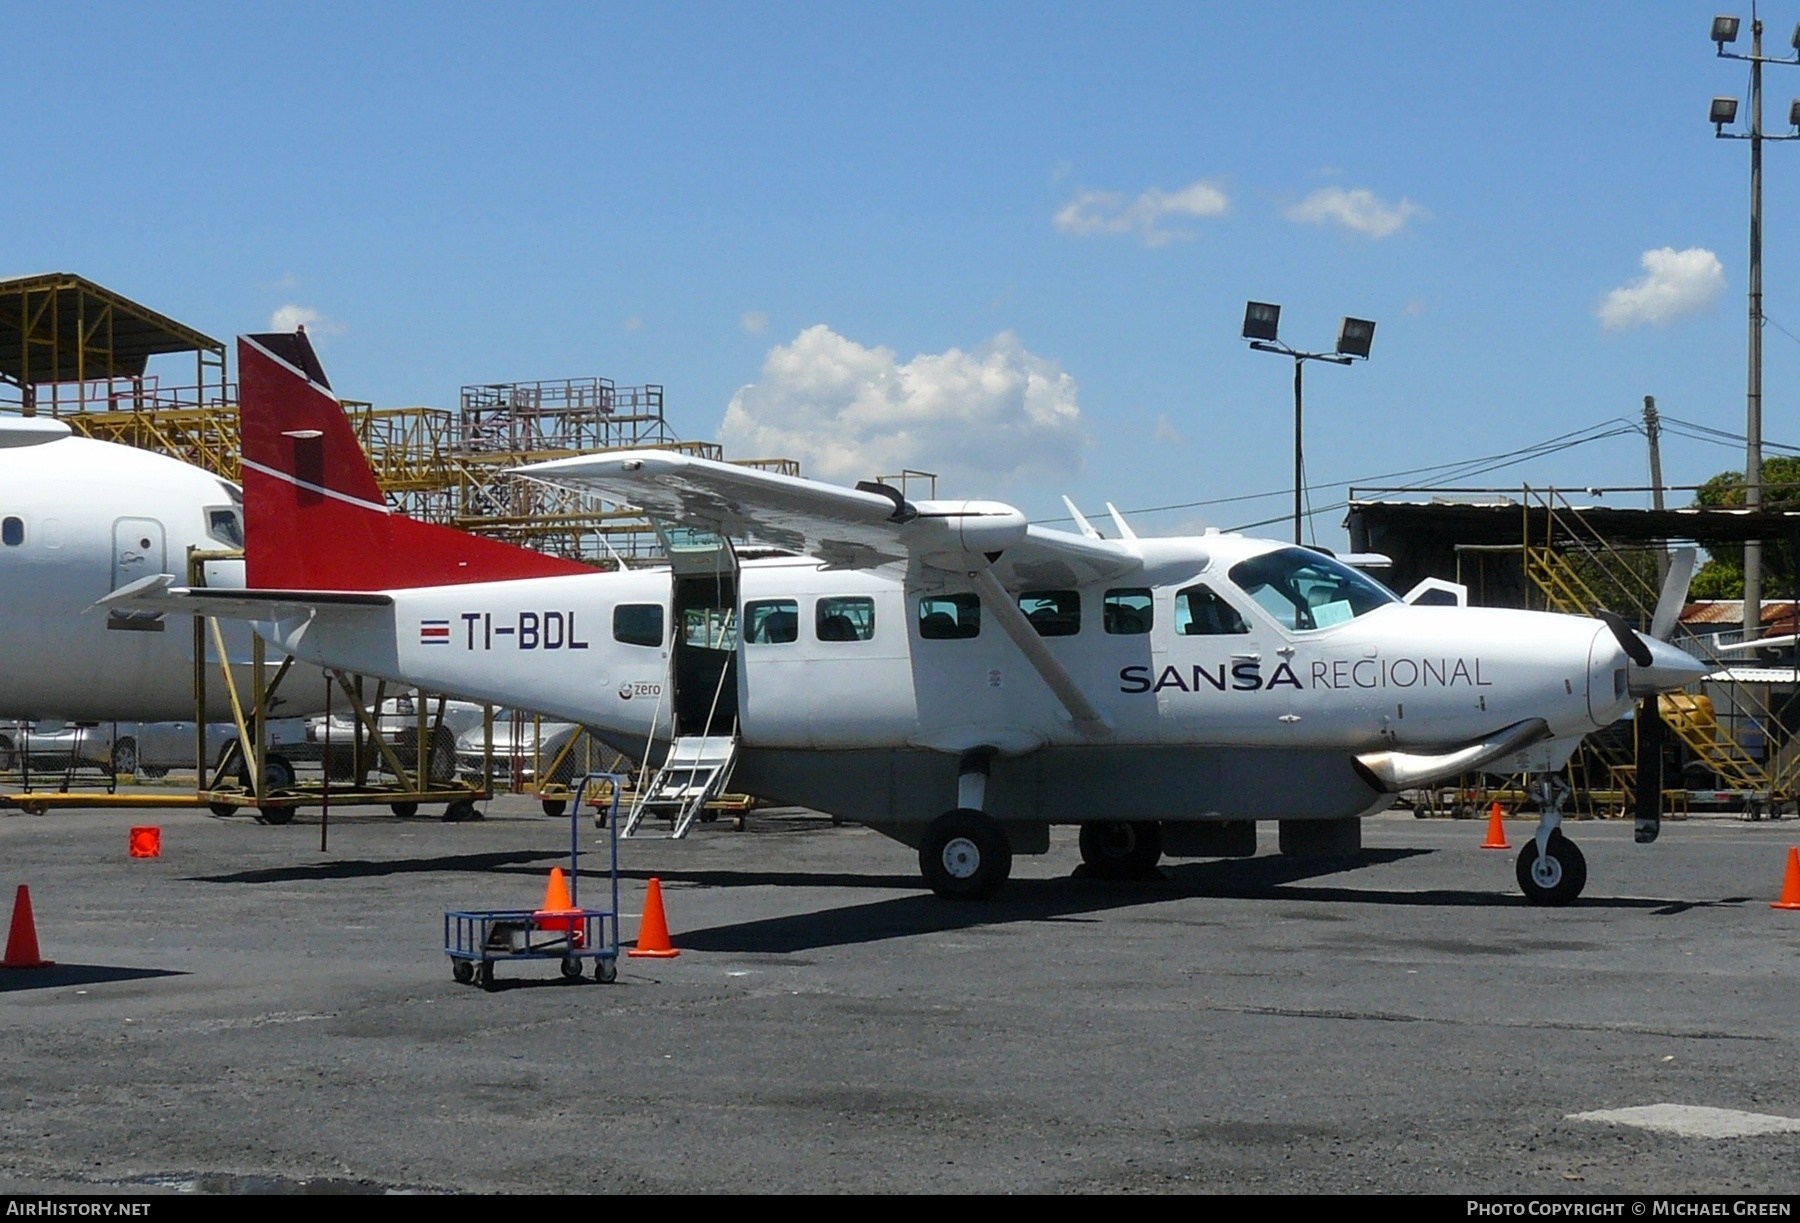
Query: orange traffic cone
point(21, 940)
point(1496, 838)
point(557, 913)
point(653, 931)
point(1790, 889)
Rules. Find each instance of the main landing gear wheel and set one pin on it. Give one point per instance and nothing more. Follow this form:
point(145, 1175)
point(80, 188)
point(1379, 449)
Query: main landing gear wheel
point(1121, 849)
point(965, 855)
point(1557, 877)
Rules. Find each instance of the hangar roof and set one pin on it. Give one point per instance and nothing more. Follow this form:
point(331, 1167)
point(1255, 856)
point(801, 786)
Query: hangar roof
point(1503, 522)
point(59, 327)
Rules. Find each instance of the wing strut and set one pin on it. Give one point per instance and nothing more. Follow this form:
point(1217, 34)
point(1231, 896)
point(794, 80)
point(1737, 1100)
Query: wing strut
point(1088, 720)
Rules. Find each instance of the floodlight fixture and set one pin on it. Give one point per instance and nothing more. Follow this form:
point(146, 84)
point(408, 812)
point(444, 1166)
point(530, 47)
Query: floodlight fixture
point(1724, 110)
point(1261, 321)
point(1354, 337)
point(1724, 30)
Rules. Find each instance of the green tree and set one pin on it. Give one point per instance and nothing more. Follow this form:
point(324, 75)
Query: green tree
point(1722, 576)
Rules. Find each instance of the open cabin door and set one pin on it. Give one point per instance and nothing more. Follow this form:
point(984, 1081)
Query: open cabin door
point(703, 680)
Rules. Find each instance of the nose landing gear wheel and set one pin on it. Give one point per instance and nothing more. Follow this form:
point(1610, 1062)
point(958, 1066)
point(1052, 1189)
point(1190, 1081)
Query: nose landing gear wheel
point(1120, 849)
point(1557, 877)
point(965, 855)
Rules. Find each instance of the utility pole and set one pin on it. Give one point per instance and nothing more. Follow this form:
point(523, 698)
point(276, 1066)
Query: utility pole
point(1653, 430)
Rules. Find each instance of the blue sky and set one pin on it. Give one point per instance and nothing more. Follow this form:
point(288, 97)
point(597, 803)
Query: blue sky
point(847, 217)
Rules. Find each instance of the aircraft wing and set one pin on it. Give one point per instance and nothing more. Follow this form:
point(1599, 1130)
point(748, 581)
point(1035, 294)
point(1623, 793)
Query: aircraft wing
point(159, 593)
point(868, 527)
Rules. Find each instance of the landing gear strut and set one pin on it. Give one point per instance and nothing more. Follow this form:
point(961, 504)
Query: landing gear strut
point(1551, 869)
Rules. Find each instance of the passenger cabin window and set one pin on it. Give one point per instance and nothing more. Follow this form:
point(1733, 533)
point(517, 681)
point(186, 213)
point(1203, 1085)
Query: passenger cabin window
point(1128, 612)
point(771, 622)
point(1304, 590)
point(949, 617)
point(12, 532)
point(1053, 613)
point(1200, 612)
point(846, 619)
point(638, 624)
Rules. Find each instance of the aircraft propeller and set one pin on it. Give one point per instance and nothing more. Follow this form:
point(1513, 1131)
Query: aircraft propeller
point(1656, 667)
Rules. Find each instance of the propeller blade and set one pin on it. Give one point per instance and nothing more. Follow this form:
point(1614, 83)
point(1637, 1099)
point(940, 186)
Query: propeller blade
point(1674, 593)
point(1650, 734)
point(1633, 645)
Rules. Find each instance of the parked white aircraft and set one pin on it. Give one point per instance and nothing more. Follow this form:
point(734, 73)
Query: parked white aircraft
point(940, 671)
point(80, 518)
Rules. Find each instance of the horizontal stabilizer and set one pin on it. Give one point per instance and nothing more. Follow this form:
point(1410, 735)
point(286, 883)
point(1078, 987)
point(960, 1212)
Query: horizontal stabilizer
point(159, 593)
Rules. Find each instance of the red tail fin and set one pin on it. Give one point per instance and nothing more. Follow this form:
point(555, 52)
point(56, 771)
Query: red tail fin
point(314, 517)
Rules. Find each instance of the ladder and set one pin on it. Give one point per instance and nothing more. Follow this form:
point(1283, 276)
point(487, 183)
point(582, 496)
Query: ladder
point(692, 774)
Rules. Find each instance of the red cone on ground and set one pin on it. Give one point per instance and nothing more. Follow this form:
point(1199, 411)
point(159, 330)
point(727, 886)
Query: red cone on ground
point(1496, 838)
point(653, 931)
point(1790, 888)
point(21, 940)
point(145, 842)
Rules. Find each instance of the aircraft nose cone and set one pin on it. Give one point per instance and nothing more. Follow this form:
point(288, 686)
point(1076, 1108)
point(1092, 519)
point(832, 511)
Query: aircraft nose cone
point(1670, 669)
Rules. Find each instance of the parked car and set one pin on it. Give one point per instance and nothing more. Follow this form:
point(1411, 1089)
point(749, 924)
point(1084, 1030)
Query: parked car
point(148, 748)
point(399, 725)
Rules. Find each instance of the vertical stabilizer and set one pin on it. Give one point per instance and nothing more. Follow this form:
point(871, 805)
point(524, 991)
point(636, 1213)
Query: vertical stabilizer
point(314, 516)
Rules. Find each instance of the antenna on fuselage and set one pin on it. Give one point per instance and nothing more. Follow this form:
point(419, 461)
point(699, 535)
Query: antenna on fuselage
point(1125, 531)
point(1087, 528)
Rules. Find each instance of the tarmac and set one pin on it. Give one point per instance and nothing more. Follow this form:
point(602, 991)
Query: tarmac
point(247, 1013)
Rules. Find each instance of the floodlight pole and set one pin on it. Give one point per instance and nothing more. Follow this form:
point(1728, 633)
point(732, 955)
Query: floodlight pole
point(1753, 414)
point(1300, 360)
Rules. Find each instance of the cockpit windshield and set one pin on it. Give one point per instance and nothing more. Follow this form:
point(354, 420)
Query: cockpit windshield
point(1304, 590)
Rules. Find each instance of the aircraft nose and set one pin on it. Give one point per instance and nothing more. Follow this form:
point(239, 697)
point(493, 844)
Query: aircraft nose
point(1670, 669)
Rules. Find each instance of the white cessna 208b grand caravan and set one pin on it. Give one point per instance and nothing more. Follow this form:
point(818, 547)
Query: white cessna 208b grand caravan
point(941, 671)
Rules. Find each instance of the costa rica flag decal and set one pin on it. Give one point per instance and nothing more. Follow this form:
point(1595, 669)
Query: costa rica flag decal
point(434, 632)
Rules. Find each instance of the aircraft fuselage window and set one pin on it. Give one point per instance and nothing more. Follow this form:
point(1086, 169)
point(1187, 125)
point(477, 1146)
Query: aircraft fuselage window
point(1200, 612)
point(1129, 611)
point(846, 619)
point(949, 617)
point(771, 622)
point(1053, 613)
point(12, 532)
point(225, 526)
point(638, 624)
point(1304, 590)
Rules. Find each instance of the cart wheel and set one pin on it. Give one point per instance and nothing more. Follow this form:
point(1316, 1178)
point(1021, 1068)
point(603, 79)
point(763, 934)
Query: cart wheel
point(571, 968)
point(463, 971)
point(606, 970)
point(554, 807)
point(484, 975)
point(405, 810)
point(223, 810)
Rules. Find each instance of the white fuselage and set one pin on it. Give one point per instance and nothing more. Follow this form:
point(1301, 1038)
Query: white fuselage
point(1398, 677)
point(78, 519)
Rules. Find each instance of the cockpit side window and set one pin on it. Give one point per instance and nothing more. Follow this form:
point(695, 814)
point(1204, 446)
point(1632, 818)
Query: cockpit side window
point(225, 525)
point(1304, 590)
point(1200, 612)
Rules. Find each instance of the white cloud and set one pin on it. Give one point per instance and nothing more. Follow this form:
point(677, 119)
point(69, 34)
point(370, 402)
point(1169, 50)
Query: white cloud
point(754, 321)
point(1360, 211)
point(1093, 213)
point(292, 317)
point(979, 419)
point(1166, 432)
point(1674, 283)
